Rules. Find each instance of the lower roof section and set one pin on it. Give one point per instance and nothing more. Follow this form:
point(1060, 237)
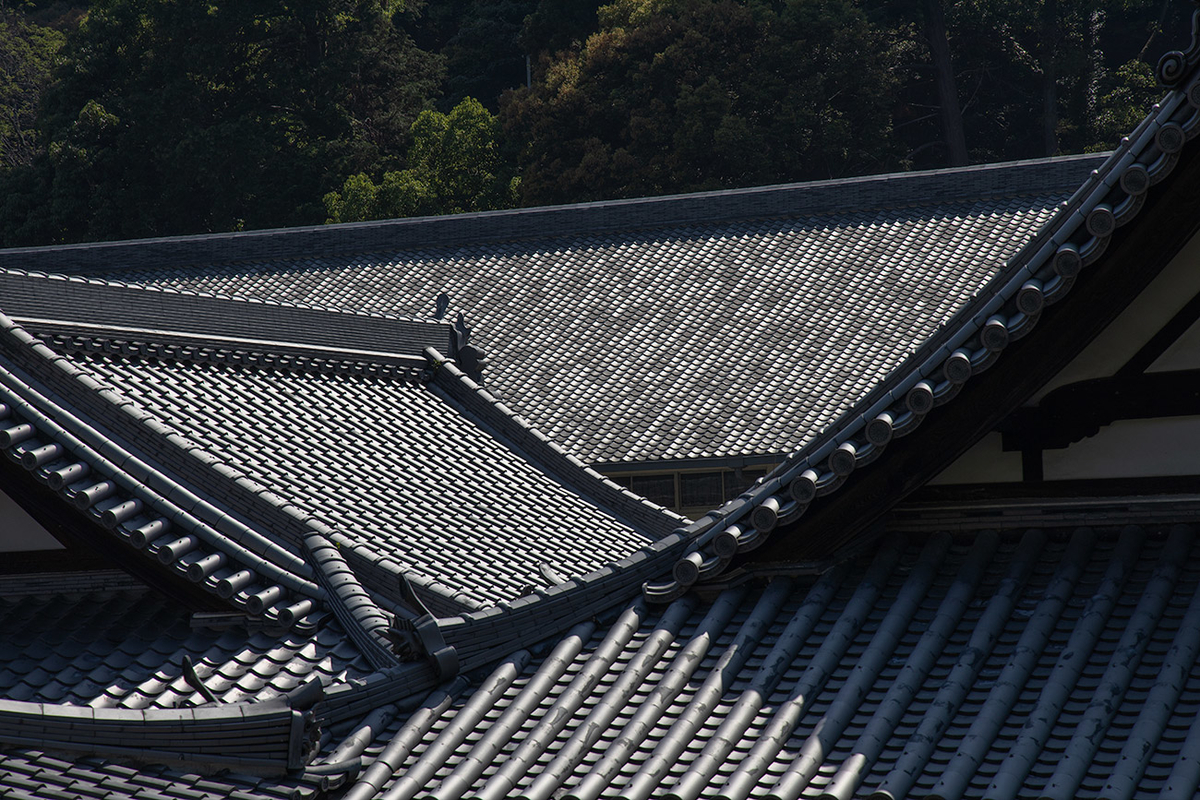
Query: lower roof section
point(115, 645)
point(1055, 663)
point(391, 463)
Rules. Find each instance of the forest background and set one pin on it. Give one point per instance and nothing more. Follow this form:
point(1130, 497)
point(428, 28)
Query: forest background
point(133, 118)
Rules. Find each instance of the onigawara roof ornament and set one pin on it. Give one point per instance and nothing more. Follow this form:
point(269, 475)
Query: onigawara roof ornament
point(471, 358)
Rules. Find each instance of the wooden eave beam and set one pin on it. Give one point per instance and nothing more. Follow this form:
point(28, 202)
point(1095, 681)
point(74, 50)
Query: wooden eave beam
point(86, 548)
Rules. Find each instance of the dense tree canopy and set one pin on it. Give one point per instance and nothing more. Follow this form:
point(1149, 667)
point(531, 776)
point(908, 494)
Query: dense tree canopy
point(158, 117)
point(27, 52)
point(178, 117)
point(454, 166)
point(703, 94)
point(1025, 78)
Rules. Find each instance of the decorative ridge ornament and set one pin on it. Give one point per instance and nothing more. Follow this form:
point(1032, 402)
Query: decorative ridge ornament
point(1175, 66)
point(472, 359)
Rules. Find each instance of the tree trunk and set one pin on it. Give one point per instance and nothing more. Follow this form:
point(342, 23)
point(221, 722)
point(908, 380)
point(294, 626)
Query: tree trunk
point(939, 49)
point(1049, 77)
point(1095, 71)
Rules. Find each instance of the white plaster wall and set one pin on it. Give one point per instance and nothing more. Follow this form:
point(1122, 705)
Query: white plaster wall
point(1178, 283)
point(1183, 354)
point(1139, 448)
point(19, 531)
point(986, 462)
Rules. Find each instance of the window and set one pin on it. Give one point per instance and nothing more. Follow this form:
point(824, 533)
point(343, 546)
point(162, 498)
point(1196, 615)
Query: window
point(655, 488)
point(736, 483)
point(700, 489)
point(690, 493)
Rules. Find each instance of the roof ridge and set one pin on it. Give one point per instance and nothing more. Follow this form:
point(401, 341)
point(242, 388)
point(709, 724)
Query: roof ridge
point(254, 354)
point(271, 737)
point(92, 580)
point(43, 301)
point(175, 290)
point(762, 202)
point(1007, 308)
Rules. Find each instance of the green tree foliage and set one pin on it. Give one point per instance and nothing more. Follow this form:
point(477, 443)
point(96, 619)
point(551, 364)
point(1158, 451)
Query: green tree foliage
point(27, 53)
point(559, 25)
point(480, 40)
point(1133, 90)
point(455, 166)
point(175, 117)
point(1033, 77)
point(486, 42)
point(682, 95)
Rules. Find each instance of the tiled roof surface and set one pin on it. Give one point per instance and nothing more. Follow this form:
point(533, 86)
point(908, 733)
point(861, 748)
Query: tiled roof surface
point(1008, 308)
point(35, 775)
point(387, 462)
point(125, 649)
point(713, 339)
point(1055, 663)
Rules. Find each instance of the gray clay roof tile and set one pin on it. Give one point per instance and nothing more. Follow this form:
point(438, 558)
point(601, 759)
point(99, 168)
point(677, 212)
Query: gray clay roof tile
point(391, 463)
point(153, 678)
point(612, 342)
point(914, 671)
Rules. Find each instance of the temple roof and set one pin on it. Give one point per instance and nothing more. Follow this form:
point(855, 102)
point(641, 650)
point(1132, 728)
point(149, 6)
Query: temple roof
point(301, 483)
point(727, 324)
point(1036, 663)
point(404, 456)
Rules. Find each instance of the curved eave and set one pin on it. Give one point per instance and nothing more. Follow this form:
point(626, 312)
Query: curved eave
point(283, 574)
point(128, 503)
point(954, 389)
point(265, 738)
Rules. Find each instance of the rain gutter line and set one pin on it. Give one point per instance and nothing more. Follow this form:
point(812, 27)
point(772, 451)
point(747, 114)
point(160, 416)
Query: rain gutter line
point(501, 733)
point(683, 667)
point(558, 771)
point(849, 697)
point(775, 666)
point(1090, 731)
point(680, 735)
point(916, 670)
point(501, 785)
point(1159, 706)
point(996, 709)
point(1010, 777)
